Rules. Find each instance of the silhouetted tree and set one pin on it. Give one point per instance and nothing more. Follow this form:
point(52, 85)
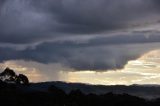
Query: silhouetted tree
point(76, 92)
point(9, 76)
point(22, 79)
point(8, 71)
point(76, 95)
point(57, 91)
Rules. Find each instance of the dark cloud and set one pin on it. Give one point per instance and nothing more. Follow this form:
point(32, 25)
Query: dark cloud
point(27, 22)
point(34, 20)
point(82, 56)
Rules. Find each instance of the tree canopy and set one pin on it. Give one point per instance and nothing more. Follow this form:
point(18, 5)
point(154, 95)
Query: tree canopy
point(9, 76)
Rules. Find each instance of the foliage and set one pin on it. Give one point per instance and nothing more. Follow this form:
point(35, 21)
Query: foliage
point(9, 76)
point(57, 97)
point(17, 95)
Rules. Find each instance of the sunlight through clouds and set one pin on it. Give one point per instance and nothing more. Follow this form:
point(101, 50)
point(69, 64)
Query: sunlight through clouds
point(145, 70)
point(32, 73)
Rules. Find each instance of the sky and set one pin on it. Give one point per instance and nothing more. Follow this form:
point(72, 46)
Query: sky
point(90, 41)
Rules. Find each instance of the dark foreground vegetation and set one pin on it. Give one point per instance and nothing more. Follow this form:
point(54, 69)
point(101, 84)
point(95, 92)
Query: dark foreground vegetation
point(15, 92)
point(16, 95)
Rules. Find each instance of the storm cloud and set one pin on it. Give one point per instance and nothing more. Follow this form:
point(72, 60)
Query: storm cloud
point(79, 34)
point(33, 20)
point(86, 56)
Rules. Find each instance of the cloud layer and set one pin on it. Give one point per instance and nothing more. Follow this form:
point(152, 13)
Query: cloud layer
point(82, 35)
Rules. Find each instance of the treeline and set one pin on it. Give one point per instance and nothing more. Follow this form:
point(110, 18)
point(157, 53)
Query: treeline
point(16, 95)
point(9, 76)
point(15, 91)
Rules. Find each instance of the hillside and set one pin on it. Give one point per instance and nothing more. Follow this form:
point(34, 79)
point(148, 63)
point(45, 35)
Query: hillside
point(144, 91)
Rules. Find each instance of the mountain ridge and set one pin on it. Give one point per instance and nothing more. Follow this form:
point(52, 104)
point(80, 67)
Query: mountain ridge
point(145, 91)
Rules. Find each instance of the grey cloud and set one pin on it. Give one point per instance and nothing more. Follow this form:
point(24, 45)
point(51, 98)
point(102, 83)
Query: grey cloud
point(81, 56)
point(24, 22)
point(36, 20)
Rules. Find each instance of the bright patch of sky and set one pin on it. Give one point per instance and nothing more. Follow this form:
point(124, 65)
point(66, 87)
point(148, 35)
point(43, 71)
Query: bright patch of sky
point(145, 70)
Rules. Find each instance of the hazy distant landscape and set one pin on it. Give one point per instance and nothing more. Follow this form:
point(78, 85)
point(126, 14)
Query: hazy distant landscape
point(143, 91)
point(16, 90)
point(74, 94)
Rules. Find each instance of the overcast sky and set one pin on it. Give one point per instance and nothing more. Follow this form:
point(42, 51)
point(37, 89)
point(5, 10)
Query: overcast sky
point(78, 35)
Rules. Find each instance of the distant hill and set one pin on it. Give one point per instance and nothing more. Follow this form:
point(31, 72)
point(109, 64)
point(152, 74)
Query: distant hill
point(144, 91)
point(77, 94)
point(15, 90)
